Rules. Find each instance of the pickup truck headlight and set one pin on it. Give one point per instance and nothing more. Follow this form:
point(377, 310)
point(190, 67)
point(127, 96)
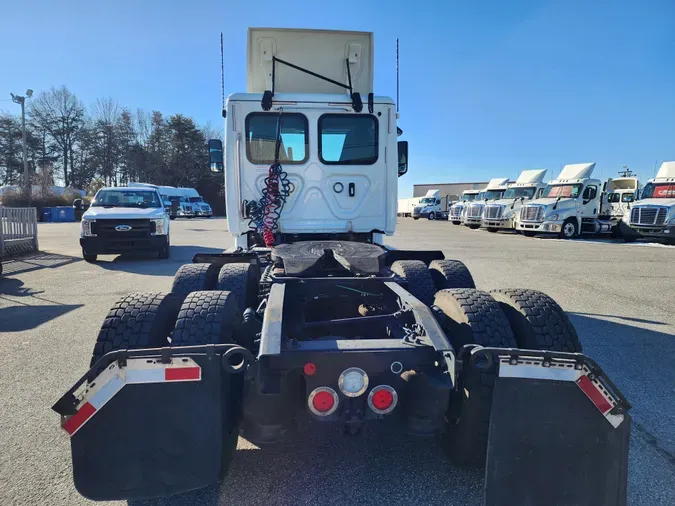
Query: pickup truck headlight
point(552, 217)
point(160, 227)
point(86, 229)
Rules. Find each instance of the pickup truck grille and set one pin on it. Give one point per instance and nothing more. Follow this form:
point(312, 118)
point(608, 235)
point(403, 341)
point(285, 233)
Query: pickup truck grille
point(139, 229)
point(532, 213)
point(648, 215)
point(474, 210)
point(494, 211)
point(456, 211)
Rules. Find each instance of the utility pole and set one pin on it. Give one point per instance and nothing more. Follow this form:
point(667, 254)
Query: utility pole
point(26, 180)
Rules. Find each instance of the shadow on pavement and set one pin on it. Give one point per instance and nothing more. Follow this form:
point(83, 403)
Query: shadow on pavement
point(149, 264)
point(36, 261)
point(27, 317)
point(626, 318)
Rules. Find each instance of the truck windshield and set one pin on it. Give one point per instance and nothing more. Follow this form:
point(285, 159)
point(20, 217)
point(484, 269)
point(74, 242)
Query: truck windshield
point(628, 197)
point(613, 198)
point(196, 199)
point(492, 194)
point(428, 201)
point(562, 191)
point(470, 197)
point(516, 193)
point(126, 198)
point(177, 198)
point(659, 191)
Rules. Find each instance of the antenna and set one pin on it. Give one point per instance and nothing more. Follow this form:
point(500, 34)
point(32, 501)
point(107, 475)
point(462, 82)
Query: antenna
point(397, 93)
point(626, 172)
point(222, 75)
point(656, 163)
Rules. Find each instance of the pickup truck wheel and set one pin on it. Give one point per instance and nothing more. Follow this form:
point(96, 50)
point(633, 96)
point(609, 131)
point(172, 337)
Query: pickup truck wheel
point(89, 258)
point(420, 283)
point(210, 317)
point(569, 229)
point(451, 274)
point(165, 252)
point(138, 320)
point(471, 316)
point(238, 278)
point(537, 320)
point(195, 277)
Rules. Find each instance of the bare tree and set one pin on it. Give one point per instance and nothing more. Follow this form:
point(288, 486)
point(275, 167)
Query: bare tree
point(61, 115)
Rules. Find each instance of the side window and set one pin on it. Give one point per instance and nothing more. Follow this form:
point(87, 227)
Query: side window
point(261, 136)
point(590, 192)
point(348, 139)
point(540, 192)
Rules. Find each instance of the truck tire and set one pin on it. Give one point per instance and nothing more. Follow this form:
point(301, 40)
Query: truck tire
point(473, 316)
point(138, 320)
point(527, 234)
point(456, 222)
point(420, 283)
point(570, 229)
point(473, 227)
point(238, 279)
point(450, 274)
point(90, 259)
point(432, 216)
point(210, 317)
point(165, 252)
point(537, 320)
point(491, 229)
point(206, 317)
point(194, 278)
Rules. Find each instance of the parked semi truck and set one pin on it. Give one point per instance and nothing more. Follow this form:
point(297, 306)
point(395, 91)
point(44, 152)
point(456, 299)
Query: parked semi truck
point(311, 316)
point(502, 214)
point(458, 210)
point(621, 192)
point(433, 206)
point(571, 205)
point(494, 191)
point(654, 214)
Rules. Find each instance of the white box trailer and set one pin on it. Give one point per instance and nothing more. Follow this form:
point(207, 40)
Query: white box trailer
point(406, 206)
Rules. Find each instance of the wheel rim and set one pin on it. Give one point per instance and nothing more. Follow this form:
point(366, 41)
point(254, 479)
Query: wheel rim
point(432, 216)
point(568, 229)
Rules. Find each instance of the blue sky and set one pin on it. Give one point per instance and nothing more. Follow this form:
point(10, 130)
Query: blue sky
point(487, 87)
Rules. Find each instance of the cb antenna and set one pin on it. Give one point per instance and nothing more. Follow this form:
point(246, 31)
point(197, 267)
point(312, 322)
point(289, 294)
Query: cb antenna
point(626, 172)
point(222, 75)
point(397, 92)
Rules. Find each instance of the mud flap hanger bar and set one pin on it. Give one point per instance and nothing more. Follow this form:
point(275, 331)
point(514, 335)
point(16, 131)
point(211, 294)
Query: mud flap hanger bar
point(357, 103)
point(552, 365)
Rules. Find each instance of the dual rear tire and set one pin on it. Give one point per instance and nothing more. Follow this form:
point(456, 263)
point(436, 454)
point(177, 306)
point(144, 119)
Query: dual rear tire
point(423, 282)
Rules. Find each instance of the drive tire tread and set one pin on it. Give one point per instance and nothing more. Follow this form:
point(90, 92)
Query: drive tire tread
point(473, 316)
point(237, 278)
point(537, 320)
point(137, 320)
point(420, 283)
point(194, 278)
point(206, 317)
point(451, 274)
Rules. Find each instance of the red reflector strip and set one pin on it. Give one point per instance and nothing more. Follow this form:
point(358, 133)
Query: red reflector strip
point(594, 394)
point(182, 373)
point(75, 422)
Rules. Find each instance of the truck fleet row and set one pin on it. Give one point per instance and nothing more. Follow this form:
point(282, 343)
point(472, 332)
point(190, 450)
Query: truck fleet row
point(571, 205)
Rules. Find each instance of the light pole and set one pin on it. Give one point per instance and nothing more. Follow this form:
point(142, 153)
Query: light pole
point(26, 180)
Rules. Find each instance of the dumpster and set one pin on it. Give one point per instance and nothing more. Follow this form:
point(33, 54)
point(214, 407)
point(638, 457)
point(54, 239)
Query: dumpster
point(46, 214)
point(63, 214)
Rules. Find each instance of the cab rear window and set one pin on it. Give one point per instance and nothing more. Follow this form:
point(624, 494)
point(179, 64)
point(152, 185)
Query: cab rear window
point(348, 139)
point(261, 135)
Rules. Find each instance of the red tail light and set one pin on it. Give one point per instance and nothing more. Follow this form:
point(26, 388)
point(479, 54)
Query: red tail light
point(323, 401)
point(382, 399)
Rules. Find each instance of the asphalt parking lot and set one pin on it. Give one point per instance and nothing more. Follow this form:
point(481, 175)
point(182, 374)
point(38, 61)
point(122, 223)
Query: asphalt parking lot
point(621, 298)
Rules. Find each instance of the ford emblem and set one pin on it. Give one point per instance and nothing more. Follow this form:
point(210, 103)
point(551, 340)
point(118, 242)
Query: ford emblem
point(122, 228)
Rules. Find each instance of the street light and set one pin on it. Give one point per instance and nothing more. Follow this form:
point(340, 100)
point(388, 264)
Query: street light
point(26, 180)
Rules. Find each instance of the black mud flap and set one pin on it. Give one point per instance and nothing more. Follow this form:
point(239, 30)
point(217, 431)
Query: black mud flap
point(556, 441)
point(149, 427)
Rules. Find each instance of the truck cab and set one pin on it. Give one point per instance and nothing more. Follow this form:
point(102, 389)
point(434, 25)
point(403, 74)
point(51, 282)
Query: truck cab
point(654, 214)
point(457, 210)
point(620, 194)
point(502, 214)
point(432, 206)
point(473, 214)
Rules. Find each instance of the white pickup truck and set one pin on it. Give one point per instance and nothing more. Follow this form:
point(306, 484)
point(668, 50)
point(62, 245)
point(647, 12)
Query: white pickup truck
point(125, 220)
point(503, 213)
point(654, 214)
point(473, 214)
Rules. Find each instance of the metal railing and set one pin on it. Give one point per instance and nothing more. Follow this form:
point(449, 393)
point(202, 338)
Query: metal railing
point(18, 231)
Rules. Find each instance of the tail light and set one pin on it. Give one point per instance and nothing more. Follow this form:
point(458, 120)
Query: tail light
point(323, 401)
point(382, 399)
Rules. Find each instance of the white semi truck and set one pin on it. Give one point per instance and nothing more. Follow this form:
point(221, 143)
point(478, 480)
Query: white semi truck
point(311, 319)
point(473, 214)
point(573, 204)
point(458, 210)
point(654, 214)
point(503, 213)
point(433, 206)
